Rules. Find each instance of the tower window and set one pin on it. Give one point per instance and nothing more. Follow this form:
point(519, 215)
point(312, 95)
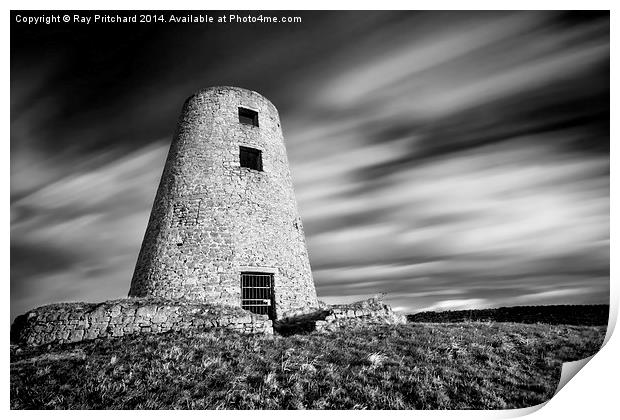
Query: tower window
point(250, 158)
point(248, 116)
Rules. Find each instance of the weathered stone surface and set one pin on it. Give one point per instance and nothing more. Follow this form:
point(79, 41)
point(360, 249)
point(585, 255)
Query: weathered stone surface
point(67, 320)
point(335, 317)
point(213, 219)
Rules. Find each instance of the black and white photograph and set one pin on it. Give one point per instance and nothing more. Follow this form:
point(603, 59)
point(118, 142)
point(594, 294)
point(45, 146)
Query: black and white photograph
point(306, 209)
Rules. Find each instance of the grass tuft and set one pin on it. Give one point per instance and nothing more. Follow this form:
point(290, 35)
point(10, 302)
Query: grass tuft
point(416, 366)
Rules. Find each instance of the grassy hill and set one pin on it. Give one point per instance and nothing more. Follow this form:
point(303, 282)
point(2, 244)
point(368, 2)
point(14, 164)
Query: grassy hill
point(414, 366)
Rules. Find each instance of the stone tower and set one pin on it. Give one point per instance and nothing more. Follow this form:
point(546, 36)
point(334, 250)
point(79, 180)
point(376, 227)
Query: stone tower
point(224, 227)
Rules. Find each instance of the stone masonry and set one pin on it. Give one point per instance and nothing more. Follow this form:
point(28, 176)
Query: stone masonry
point(327, 318)
point(73, 322)
point(214, 219)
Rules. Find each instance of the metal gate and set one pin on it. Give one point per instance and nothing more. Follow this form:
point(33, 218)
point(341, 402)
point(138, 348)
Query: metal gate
point(256, 293)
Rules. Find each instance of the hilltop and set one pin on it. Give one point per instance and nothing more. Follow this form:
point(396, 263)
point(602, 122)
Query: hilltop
point(468, 365)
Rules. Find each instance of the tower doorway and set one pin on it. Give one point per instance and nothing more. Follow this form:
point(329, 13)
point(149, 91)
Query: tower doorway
point(257, 293)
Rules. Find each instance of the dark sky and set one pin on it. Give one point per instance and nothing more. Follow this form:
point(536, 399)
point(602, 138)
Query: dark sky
point(450, 159)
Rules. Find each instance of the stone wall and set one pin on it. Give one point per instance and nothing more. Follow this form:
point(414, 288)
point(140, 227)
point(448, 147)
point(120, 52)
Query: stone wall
point(346, 318)
point(213, 219)
point(335, 317)
point(73, 322)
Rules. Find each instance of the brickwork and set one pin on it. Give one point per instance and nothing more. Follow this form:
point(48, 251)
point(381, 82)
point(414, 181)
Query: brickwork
point(73, 322)
point(213, 219)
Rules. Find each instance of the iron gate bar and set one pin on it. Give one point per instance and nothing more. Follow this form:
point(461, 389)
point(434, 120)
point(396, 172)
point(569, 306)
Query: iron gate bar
point(256, 294)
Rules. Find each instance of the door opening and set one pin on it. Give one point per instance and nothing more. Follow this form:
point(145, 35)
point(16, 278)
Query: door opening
point(257, 293)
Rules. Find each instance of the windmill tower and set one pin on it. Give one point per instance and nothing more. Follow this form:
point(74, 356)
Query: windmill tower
point(224, 227)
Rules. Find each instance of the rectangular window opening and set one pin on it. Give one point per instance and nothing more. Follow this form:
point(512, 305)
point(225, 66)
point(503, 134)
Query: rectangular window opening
point(257, 293)
point(248, 116)
point(250, 158)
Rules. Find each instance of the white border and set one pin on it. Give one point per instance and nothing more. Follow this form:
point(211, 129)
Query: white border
point(591, 394)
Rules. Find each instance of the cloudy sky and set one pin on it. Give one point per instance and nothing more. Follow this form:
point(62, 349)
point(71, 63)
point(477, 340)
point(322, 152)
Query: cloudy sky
point(450, 159)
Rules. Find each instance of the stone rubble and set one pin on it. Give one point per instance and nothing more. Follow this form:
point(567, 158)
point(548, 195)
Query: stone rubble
point(336, 317)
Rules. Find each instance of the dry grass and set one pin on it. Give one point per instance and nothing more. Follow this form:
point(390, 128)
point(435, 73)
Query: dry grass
point(415, 366)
